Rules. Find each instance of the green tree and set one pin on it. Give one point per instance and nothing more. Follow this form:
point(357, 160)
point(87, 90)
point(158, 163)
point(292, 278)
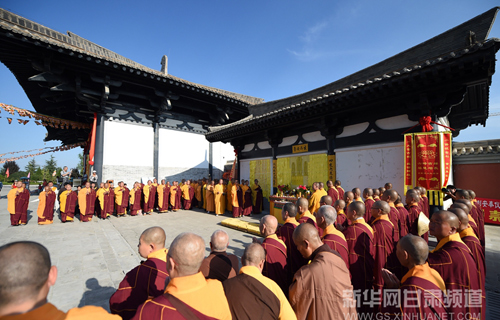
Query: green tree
point(12, 166)
point(31, 166)
point(50, 165)
point(81, 163)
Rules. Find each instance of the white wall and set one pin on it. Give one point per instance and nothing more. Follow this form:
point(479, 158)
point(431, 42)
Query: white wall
point(127, 152)
point(221, 153)
point(245, 169)
point(371, 166)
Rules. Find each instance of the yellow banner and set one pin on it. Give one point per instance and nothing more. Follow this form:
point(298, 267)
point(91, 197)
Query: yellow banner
point(300, 148)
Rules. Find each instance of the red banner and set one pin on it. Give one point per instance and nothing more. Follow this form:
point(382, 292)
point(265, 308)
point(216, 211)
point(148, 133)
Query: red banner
point(491, 209)
point(446, 140)
point(408, 145)
point(427, 168)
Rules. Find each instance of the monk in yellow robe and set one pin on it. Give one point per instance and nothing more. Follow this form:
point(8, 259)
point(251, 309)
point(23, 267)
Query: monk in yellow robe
point(246, 209)
point(120, 211)
point(86, 202)
point(17, 206)
point(174, 199)
point(204, 194)
point(199, 188)
point(314, 201)
point(229, 200)
point(135, 199)
point(218, 191)
point(162, 202)
point(45, 211)
point(210, 197)
point(223, 199)
point(67, 202)
point(186, 195)
point(236, 199)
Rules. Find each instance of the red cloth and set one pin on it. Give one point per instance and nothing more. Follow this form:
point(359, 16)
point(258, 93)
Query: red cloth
point(478, 215)
point(136, 206)
point(368, 206)
point(90, 201)
point(247, 207)
point(457, 267)
point(144, 282)
point(341, 192)
point(48, 211)
point(339, 245)
point(258, 201)
point(477, 253)
point(161, 308)
point(334, 194)
point(24, 202)
point(342, 220)
point(305, 219)
point(413, 214)
point(384, 240)
point(275, 265)
point(69, 210)
point(152, 199)
point(294, 259)
point(394, 217)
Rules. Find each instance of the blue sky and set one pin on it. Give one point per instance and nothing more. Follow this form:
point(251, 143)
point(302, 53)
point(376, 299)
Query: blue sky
point(267, 49)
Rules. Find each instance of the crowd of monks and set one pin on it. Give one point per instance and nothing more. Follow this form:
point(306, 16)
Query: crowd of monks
point(143, 199)
point(339, 255)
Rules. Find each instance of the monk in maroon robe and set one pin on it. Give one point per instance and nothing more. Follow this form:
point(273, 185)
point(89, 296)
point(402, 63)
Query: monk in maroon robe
point(125, 197)
point(384, 241)
point(110, 208)
point(399, 223)
point(247, 200)
point(470, 239)
point(178, 198)
point(455, 263)
point(86, 201)
point(67, 201)
point(360, 243)
point(368, 195)
point(294, 260)
point(342, 221)
point(163, 207)
point(326, 217)
point(257, 197)
point(135, 199)
point(480, 217)
point(275, 265)
point(412, 199)
point(466, 205)
point(421, 290)
point(305, 216)
point(339, 189)
point(169, 307)
point(25, 199)
point(332, 191)
point(145, 281)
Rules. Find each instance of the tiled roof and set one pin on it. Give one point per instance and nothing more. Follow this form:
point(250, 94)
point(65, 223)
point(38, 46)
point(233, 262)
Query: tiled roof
point(340, 91)
point(70, 41)
point(476, 147)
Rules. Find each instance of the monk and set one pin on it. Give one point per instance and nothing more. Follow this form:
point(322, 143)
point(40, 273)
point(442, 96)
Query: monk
point(17, 201)
point(425, 201)
point(455, 263)
point(154, 193)
point(99, 204)
point(67, 202)
point(236, 199)
point(471, 240)
point(304, 215)
point(348, 198)
point(135, 200)
point(25, 193)
point(402, 211)
point(332, 191)
point(368, 195)
point(174, 190)
point(253, 296)
point(204, 192)
point(357, 194)
point(466, 205)
point(337, 185)
point(86, 201)
point(322, 289)
point(210, 196)
point(276, 258)
point(398, 221)
point(247, 199)
point(119, 195)
point(315, 198)
point(475, 213)
point(413, 212)
point(198, 194)
point(147, 280)
point(178, 195)
point(326, 201)
point(219, 264)
point(110, 208)
point(218, 193)
point(186, 199)
point(360, 243)
point(421, 289)
point(384, 240)
point(223, 199)
point(205, 297)
point(294, 260)
point(376, 194)
point(342, 221)
point(257, 197)
point(326, 217)
point(24, 297)
point(162, 200)
point(45, 211)
point(480, 217)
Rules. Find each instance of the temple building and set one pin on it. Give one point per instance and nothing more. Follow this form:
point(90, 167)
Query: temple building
point(151, 111)
point(351, 129)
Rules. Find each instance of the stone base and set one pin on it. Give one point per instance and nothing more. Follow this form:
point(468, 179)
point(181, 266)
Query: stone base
point(127, 174)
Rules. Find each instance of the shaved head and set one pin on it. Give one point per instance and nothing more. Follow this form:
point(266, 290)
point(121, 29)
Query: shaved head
point(465, 202)
point(24, 269)
point(291, 209)
point(356, 191)
point(382, 205)
point(188, 252)
point(376, 192)
point(462, 194)
point(302, 204)
point(462, 216)
point(329, 213)
point(390, 195)
point(327, 200)
point(461, 205)
point(340, 204)
point(268, 225)
point(154, 235)
point(359, 207)
point(219, 240)
point(254, 253)
point(368, 192)
point(416, 247)
point(472, 194)
point(307, 232)
point(348, 196)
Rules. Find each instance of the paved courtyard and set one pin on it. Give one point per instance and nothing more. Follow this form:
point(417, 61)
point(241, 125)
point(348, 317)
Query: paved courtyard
point(93, 257)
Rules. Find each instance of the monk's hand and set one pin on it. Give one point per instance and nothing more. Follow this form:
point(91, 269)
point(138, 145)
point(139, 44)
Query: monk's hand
point(390, 279)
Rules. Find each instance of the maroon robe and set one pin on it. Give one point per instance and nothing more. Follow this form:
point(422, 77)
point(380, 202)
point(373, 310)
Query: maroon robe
point(368, 206)
point(306, 219)
point(338, 244)
point(258, 201)
point(475, 228)
point(178, 198)
point(294, 259)
point(275, 265)
point(144, 282)
point(361, 248)
point(125, 196)
point(247, 206)
point(162, 308)
point(478, 214)
point(456, 265)
point(48, 211)
point(136, 206)
point(109, 202)
point(238, 211)
point(341, 192)
point(90, 200)
point(425, 206)
point(413, 213)
point(394, 218)
point(334, 194)
point(152, 199)
point(384, 241)
point(342, 222)
point(24, 214)
point(478, 254)
point(69, 210)
point(191, 195)
point(166, 199)
point(420, 299)
point(21, 208)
